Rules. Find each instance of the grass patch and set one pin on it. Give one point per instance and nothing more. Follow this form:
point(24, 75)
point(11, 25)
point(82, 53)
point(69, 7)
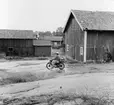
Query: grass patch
point(21, 77)
point(28, 64)
point(13, 58)
point(18, 78)
point(42, 58)
point(59, 99)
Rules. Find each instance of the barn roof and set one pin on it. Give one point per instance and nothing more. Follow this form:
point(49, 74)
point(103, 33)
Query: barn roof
point(41, 42)
point(16, 34)
point(56, 38)
point(52, 38)
point(93, 20)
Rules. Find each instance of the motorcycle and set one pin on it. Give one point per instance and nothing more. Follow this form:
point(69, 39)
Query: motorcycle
point(59, 65)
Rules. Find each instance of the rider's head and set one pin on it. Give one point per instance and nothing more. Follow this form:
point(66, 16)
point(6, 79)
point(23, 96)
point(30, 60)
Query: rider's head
point(57, 53)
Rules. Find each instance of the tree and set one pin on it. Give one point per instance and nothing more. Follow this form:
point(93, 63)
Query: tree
point(59, 29)
point(46, 33)
point(54, 33)
point(58, 32)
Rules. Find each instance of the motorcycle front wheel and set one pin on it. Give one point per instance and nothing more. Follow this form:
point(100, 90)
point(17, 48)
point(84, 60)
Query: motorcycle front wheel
point(61, 66)
point(49, 66)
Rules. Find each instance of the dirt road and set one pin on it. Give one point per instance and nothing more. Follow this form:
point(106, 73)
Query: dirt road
point(91, 78)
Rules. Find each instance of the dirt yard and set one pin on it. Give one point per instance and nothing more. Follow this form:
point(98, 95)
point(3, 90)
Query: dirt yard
point(26, 78)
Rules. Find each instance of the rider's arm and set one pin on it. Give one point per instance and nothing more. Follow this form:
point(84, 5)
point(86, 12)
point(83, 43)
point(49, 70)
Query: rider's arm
point(53, 58)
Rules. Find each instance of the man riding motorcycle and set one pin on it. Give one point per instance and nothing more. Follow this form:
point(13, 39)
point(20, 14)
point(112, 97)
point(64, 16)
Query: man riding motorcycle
point(56, 62)
point(56, 59)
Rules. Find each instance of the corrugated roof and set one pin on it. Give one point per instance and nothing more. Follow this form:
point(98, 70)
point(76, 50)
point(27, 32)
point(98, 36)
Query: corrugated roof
point(94, 20)
point(16, 34)
point(40, 42)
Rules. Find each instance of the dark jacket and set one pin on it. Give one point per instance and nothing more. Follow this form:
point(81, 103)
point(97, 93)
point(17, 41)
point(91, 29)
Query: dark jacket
point(57, 58)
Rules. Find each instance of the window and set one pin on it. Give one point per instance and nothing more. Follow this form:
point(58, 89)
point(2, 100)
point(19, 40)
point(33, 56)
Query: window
point(81, 50)
point(10, 49)
point(67, 47)
point(55, 43)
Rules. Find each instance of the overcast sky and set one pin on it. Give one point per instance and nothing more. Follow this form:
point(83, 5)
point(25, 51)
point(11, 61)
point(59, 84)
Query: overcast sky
point(44, 15)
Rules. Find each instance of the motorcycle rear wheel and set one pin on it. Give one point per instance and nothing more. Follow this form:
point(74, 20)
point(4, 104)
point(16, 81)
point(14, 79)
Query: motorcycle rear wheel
point(49, 66)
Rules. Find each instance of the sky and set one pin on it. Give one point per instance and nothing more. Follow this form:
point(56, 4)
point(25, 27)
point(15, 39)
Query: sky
point(44, 15)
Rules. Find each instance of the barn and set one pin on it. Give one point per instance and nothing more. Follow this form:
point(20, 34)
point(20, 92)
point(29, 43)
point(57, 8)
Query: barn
point(16, 42)
point(88, 34)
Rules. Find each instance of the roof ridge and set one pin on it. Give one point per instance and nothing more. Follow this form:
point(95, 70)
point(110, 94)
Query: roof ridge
point(92, 11)
point(14, 30)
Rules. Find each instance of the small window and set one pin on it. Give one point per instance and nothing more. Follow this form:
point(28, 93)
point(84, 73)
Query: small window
point(81, 50)
point(55, 43)
point(10, 49)
point(67, 47)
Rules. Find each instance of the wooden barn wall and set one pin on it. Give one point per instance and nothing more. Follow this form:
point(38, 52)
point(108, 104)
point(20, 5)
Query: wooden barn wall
point(42, 51)
point(97, 42)
point(74, 39)
point(21, 47)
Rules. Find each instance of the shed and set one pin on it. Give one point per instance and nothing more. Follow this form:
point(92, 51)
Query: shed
point(88, 34)
point(56, 41)
point(16, 42)
point(42, 47)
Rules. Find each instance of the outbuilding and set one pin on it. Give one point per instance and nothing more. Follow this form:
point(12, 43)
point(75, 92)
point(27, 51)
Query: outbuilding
point(56, 41)
point(42, 48)
point(88, 34)
point(16, 42)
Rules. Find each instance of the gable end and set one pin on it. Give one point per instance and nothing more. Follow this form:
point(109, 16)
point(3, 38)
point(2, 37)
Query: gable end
point(66, 25)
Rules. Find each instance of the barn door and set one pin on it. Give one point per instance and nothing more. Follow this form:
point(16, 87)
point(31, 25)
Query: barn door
point(77, 52)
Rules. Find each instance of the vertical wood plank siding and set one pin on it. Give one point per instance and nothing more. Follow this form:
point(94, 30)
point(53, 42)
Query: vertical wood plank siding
point(44, 51)
point(74, 39)
point(97, 42)
point(21, 47)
